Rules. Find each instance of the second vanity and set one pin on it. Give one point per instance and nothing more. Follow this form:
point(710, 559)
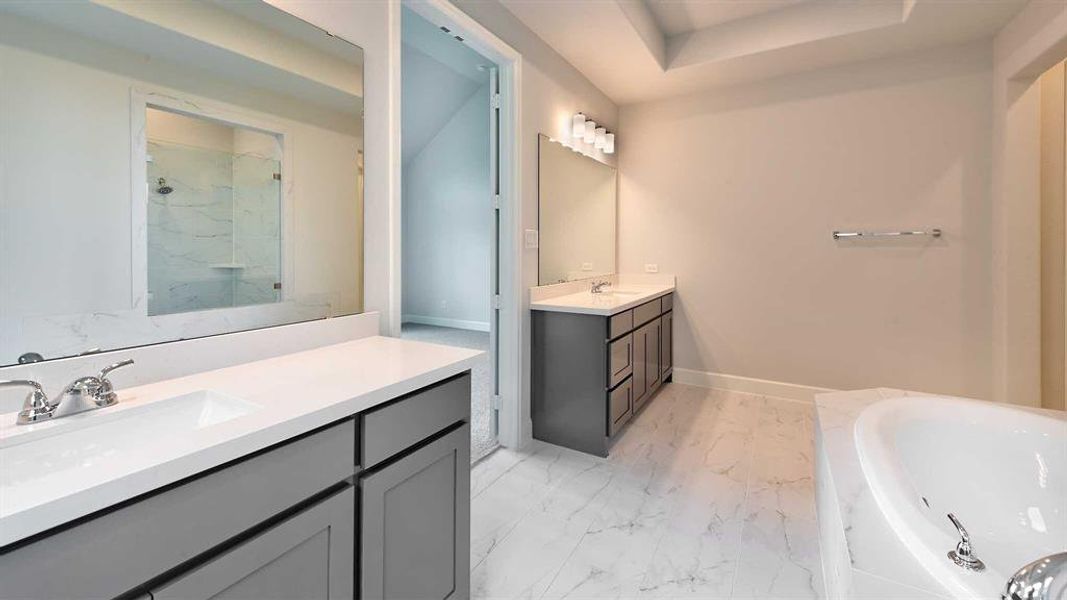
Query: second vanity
point(597, 359)
point(266, 479)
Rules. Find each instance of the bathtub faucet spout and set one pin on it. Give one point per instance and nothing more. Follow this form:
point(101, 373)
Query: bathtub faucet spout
point(963, 555)
point(1043, 579)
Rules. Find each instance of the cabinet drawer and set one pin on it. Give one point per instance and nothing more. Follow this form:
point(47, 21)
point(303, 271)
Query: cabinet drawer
point(620, 359)
point(126, 547)
point(395, 427)
point(666, 303)
point(620, 324)
point(646, 312)
point(620, 406)
point(310, 555)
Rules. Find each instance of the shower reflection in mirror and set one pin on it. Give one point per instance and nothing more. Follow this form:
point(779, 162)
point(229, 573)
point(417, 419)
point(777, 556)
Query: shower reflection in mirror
point(213, 214)
point(169, 177)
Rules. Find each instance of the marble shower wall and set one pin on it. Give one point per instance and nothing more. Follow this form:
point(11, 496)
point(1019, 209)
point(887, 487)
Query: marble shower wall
point(214, 241)
point(189, 229)
point(257, 231)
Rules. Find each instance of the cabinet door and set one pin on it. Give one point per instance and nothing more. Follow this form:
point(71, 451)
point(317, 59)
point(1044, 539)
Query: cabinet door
point(667, 349)
point(415, 521)
point(308, 556)
point(655, 343)
point(640, 369)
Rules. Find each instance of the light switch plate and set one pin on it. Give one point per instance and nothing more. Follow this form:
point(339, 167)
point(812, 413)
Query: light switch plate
point(651, 268)
point(531, 239)
point(587, 266)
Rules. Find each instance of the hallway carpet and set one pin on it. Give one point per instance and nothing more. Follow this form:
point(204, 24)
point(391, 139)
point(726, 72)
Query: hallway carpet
point(482, 439)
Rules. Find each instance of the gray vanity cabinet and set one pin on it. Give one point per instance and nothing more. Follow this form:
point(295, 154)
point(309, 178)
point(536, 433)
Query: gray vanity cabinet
point(307, 556)
point(415, 539)
point(282, 522)
point(591, 374)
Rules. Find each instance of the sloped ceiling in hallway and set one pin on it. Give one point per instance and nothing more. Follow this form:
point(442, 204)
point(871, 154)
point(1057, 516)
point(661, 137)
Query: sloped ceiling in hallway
point(432, 93)
point(640, 50)
point(438, 75)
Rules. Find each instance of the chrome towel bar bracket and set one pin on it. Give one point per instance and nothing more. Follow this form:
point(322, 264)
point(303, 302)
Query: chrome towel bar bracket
point(839, 235)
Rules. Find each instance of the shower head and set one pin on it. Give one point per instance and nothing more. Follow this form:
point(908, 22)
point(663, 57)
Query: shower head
point(163, 187)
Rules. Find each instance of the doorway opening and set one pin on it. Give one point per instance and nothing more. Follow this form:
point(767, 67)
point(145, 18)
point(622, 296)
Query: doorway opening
point(451, 217)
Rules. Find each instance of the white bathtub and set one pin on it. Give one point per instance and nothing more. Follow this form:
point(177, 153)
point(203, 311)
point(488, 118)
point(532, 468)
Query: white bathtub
point(1001, 470)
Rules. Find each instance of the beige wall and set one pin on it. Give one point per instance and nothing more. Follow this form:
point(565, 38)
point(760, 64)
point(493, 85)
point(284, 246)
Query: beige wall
point(1033, 42)
point(736, 191)
point(1052, 237)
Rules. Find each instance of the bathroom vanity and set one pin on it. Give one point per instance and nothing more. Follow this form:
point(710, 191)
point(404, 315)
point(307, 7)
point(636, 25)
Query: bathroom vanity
point(597, 359)
point(264, 480)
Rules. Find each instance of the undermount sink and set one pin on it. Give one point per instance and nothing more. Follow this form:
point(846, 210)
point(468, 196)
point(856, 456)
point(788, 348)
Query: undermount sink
point(619, 293)
point(80, 441)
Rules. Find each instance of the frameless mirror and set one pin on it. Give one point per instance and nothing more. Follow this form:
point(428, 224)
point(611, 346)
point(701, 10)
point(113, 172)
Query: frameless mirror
point(576, 214)
point(173, 170)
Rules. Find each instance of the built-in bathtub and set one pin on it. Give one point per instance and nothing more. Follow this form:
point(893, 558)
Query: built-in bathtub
point(892, 464)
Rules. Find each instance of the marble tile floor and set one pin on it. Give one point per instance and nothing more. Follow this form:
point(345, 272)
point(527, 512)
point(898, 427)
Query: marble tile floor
point(707, 494)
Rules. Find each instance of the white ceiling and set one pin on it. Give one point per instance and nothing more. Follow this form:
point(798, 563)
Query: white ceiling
point(640, 50)
point(675, 17)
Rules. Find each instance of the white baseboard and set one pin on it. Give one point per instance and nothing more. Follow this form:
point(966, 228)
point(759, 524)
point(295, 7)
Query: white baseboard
point(443, 322)
point(750, 385)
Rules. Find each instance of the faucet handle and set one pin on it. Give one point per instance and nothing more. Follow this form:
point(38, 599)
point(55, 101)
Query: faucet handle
point(105, 395)
point(963, 555)
point(959, 527)
point(36, 406)
point(108, 369)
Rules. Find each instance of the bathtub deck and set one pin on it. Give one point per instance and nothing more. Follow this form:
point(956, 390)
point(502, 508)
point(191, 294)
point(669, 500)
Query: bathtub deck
point(708, 494)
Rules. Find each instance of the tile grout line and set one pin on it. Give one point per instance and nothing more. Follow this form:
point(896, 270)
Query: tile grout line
point(748, 489)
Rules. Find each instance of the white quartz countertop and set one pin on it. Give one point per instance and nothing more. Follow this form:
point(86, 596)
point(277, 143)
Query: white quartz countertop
point(612, 300)
point(290, 395)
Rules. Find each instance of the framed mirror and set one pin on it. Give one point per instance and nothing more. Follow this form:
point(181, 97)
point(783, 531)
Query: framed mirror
point(576, 214)
point(173, 170)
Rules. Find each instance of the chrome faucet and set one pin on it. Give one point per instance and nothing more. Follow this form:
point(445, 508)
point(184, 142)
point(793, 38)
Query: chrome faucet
point(598, 286)
point(82, 394)
point(1043, 579)
point(963, 555)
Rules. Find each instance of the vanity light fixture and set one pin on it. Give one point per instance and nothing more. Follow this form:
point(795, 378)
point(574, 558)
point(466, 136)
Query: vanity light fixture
point(578, 126)
point(585, 130)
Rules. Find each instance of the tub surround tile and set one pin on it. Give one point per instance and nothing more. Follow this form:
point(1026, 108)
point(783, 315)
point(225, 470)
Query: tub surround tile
point(689, 504)
point(871, 587)
point(855, 535)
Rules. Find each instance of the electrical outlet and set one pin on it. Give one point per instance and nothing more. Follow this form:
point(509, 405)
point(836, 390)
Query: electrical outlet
point(531, 239)
point(651, 268)
point(587, 266)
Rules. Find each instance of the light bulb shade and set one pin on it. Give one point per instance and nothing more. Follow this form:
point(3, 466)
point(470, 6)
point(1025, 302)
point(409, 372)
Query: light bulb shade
point(609, 143)
point(598, 142)
point(590, 132)
point(578, 126)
